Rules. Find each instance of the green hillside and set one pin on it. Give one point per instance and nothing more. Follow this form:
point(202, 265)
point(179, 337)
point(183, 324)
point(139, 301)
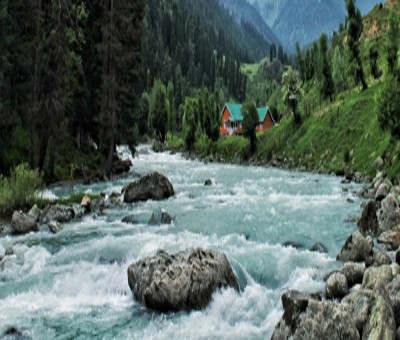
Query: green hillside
point(342, 135)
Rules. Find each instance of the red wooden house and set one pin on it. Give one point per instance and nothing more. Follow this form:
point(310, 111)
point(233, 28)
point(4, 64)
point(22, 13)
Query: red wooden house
point(232, 118)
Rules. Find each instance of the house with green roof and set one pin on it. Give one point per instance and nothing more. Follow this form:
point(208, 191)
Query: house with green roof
point(232, 118)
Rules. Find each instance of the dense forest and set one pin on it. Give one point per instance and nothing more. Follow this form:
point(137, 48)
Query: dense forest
point(72, 74)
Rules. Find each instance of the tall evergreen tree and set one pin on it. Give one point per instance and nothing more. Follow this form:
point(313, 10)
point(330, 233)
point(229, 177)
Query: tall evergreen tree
point(355, 29)
point(327, 81)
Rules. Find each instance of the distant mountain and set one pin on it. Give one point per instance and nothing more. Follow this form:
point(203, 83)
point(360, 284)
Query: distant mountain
point(305, 20)
point(242, 10)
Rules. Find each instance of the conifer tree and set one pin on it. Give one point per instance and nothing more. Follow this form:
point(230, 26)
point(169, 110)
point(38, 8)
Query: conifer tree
point(355, 29)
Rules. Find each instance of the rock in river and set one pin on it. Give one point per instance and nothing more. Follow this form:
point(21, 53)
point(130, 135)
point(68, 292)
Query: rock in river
point(160, 216)
point(22, 223)
point(153, 186)
point(183, 281)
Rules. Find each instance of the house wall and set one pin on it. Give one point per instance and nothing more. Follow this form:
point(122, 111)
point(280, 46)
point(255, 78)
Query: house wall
point(268, 123)
point(225, 117)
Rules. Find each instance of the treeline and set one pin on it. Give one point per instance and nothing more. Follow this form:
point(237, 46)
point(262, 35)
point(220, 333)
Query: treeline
point(72, 73)
point(69, 70)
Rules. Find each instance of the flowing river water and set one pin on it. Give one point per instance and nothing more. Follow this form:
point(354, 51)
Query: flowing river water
point(73, 285)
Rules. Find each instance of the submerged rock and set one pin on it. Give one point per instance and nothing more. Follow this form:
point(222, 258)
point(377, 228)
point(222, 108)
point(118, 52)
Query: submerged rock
point(153, 186)
point(160, 216)
point(208, 182)
point(317, 320)
point(319, 248)
point(22, 223)
point(130, 219)
point(183, 281)
point(356, 249)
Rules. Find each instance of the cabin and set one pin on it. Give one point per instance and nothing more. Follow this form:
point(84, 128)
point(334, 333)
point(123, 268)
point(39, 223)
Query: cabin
point(232, 118)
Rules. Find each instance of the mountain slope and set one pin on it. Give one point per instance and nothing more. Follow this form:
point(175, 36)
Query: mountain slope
point(242, 10)
point(305, 20)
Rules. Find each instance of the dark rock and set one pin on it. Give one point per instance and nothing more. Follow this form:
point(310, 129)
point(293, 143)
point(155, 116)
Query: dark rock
point(393, 289)
point(13, 332)
point(22, 223)
point(160, 216)
point(356, 249)
point(59, 213)
point(336, 286)
point(54, 227)
point(319, 248)
point(320, 320)
point(354, 272)
point(368, 223)
point(208, 182)
point(9, 251)
point(121, 166)
point(398, 257)
point(152, 186)
point(183, 281)
point(131, 219)
point(391, 239)
point(293, 244)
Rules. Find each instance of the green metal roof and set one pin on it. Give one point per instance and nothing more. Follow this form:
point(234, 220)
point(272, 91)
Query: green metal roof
point(236, 112)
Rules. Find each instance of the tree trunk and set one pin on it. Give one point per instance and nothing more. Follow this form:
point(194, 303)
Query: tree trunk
point(43, 150)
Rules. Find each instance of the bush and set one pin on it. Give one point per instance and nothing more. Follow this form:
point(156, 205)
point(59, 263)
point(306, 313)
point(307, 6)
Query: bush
point(389, 107)
point(18, 190)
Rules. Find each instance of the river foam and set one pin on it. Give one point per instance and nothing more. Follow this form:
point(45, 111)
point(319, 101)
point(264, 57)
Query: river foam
point(74, 284)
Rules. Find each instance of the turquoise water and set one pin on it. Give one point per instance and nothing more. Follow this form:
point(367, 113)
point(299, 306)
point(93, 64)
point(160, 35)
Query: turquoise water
point(74, 284)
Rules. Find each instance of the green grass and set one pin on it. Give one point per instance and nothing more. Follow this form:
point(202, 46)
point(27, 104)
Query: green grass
point(322, 141)
point(251, 69)
point(75, 198)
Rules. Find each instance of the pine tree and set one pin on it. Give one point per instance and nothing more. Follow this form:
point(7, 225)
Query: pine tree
point(355, 29)
point(327, 82)
point(338, 70)
point(292, 92)
point(250, 122)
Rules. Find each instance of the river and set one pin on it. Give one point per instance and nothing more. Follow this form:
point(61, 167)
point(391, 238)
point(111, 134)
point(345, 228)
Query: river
point(73, 285)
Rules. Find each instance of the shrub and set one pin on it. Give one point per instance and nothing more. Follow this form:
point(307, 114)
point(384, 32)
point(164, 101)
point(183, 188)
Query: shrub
point(18, 190)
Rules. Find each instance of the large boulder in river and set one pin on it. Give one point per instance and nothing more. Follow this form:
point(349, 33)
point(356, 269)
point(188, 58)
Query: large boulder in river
point(356, 249)
point(393, 289)
point(354, 272)
point(23, 223)
point(368, 223)
point(377, 275)
point(316, 320)
point(183, 281)
point(153, 186)
point(391, 239)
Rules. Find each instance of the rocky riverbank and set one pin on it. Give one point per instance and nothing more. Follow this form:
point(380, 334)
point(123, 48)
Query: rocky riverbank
point(362, 299)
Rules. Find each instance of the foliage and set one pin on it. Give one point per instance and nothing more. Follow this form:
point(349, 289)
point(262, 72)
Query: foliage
point(158, 116)
point(373, 58)
point(18, 190)
point(355, 29)
point(250, 122)
point(338, 70)
point(388, 106)
point(394, 32)
point(327, 81)
point(189, 122)
point(292, 92)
